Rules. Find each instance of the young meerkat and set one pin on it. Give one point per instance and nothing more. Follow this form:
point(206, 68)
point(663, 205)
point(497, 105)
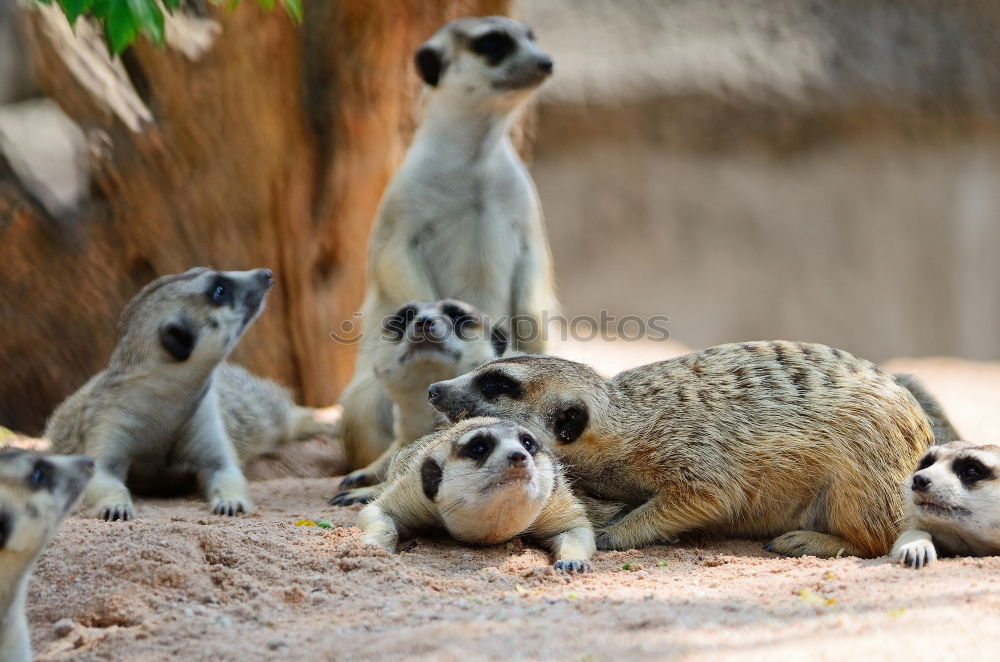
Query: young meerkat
point(461, 217)
point(36, 492)
point(952, 505)
point(421, 344)
point(167, 411)
point(760, 439)
point(484, 480)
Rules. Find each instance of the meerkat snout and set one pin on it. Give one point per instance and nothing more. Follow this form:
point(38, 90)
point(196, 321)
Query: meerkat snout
point(920, 483)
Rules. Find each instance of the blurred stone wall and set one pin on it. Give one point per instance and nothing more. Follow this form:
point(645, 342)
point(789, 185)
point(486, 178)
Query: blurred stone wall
point(825, 170)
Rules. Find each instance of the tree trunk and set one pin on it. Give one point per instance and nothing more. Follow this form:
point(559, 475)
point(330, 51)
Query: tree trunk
point(267, 146)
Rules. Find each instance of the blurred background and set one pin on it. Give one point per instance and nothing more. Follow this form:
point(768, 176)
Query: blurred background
point(823, 170)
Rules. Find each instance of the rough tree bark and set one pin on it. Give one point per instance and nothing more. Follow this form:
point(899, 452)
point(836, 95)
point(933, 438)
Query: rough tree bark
point(269, 148)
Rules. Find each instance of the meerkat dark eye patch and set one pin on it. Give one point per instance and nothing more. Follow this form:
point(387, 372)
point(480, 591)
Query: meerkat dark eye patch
point(499, 340)
point(493, 46)
point(569, 422)
point(221, 291)
point(492, 385)
point(478, 448)
point(42, 475)
point(462, 320)
point(926, 461)
point(430, 65)
point(430, 477)
point(179, 339)
point(970, 470)
point(6, 527)
point(395, 325)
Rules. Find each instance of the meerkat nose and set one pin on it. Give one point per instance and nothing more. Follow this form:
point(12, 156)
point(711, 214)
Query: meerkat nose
point(266, 277)
point(434, 392)
point(518, 459)
point(545, 64)
point(920, 483)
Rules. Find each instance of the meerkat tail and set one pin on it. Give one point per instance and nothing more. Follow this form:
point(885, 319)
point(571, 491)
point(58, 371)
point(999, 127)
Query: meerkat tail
point(944, 431)
point(305, 425)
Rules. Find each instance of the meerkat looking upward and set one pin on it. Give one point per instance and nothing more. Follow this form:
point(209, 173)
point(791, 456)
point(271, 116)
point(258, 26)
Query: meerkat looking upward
point(422, 343)
point(154, 417)
point(760, 439)
point(461, 217)
point(36, 492)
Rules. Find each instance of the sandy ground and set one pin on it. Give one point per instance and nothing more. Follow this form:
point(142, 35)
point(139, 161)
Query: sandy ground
point(180, 583)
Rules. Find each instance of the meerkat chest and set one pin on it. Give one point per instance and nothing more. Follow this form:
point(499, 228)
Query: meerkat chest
point(491, 521)
point(470, 231)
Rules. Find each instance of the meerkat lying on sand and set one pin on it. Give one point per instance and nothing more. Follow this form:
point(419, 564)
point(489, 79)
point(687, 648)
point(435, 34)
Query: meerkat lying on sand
point(484, 480)
point(167, 410)
point(798, 441)
point(952, 505)
point(422, 343)
point(461, 217)
point(36, 492)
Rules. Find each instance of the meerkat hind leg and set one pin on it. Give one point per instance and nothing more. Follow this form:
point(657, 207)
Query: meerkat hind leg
point(661, 519)
point(811, 543)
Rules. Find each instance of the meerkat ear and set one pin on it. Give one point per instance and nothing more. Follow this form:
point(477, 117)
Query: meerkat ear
point(499, 340)
point(569, 422)
point(430, 64)
point(430, 477)
point(178, 339)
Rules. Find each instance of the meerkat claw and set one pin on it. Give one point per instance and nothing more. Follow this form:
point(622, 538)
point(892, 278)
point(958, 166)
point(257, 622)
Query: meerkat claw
point(116, 513)
point(572, 566)
point(358, 478)
point(228, 508)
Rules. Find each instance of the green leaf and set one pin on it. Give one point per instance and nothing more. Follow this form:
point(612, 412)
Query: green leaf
point(119, 26)
point(294, 9)
point(75, 8)
point(266, 4)
point(171, 5)
point(148, 18)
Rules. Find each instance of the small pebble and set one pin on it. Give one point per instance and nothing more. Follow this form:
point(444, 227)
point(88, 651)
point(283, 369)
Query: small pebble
point(275, 644)
point(188, 612)
point(225, 621)
point(63, 627)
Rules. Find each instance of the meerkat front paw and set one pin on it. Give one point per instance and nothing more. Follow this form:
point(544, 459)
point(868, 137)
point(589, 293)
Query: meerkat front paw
point(915, 554)
point(115, 511)
point(230, 507)
point(571, 565)
point(359, 495)
point(359, 478)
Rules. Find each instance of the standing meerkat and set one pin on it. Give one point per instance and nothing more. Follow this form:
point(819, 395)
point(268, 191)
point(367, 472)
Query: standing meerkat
point(483, 480)
point(167, 409)
point(422, 343)
point(36, 492)
point(759, 439)
point(952, 505)
point(461, 218)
